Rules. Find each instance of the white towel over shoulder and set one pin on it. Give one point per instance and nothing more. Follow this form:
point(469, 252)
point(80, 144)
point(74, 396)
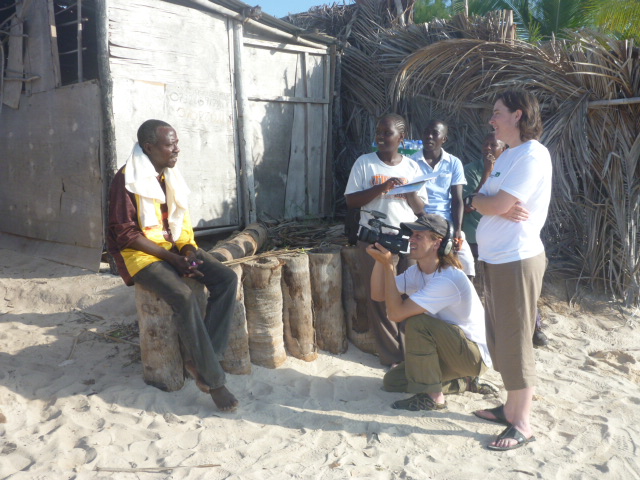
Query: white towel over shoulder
point(141, 178)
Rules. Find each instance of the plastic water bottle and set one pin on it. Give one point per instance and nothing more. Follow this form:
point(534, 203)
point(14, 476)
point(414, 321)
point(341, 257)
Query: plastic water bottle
point(374, 146)
point(420, 146)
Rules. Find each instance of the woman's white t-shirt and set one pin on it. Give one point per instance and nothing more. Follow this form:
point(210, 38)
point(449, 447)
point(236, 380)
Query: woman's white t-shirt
point(368, 171)
point(448, 295)
point(524, 172)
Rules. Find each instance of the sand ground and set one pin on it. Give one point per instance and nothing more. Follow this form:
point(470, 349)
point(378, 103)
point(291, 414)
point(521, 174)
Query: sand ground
point(73, 404)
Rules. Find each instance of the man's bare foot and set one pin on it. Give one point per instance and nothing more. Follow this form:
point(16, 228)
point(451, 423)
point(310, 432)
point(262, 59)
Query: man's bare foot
point(224, 399)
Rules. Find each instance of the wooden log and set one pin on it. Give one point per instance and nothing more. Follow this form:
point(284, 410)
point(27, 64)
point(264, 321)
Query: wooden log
point(352, 262)
point(245, 244)
point(297, 312)
point(325, 267)
point(263, 302)
point(354, 302)
point(15, 61)
point(159, 342)
point(236, 359)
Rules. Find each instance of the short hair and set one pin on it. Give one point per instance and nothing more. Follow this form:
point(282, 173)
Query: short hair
point(493, 134)
point(147, 131)
point(530, 124)
point(398, 120)
point(436, 121)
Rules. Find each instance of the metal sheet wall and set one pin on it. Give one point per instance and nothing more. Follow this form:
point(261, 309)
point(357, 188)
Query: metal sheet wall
point(177, 66)
point(50, 178)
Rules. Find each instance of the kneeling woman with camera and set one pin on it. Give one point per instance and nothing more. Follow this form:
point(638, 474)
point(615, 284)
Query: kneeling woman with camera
point(446, 341)
point(372, 176)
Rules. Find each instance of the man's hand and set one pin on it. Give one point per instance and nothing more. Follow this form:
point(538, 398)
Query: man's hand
point(380, 254)
point(186, 264)
point(193, 264)
point(517, 213)
point(457, 240)
point(489, 162)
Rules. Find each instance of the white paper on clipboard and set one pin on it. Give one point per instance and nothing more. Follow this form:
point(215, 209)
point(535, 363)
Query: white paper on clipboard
point(413, 186)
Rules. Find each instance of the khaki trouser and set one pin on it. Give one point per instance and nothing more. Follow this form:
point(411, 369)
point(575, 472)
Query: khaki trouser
point(437, 355)
point(511, 292)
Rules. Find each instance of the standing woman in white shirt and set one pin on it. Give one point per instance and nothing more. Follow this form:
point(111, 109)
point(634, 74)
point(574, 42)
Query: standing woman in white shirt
point(371, 180)
point(514, 202)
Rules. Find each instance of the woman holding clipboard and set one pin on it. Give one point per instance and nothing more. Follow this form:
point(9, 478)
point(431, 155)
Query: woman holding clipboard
point(371, 180)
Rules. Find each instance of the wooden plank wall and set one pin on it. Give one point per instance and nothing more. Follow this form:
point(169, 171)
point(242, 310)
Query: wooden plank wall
point(12, 88)
point(176, 66)
point(288, 90)
point(41, 57)
point(33, 55)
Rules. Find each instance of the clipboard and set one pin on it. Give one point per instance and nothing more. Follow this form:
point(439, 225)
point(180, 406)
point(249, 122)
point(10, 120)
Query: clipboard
point(414, 186)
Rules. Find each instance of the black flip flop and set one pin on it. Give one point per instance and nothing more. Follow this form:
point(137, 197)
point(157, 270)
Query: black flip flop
point(514, 434)
point(497, 412)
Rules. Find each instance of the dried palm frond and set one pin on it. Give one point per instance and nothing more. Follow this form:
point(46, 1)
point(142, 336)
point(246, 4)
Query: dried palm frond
point(593, 220)
point(452, 69)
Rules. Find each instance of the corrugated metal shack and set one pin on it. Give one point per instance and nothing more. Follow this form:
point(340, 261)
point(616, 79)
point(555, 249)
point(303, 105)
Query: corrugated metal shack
point(249, 95)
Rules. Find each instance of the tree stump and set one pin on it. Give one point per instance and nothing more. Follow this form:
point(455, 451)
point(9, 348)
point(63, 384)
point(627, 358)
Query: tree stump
point(245, 244)
point(297, 313)
point(325, 268)
point(162, 365)
point(236, 359)
point(354, 299)
point(263, 302)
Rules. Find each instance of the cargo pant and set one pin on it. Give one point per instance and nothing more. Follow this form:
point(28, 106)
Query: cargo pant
point(437, 357)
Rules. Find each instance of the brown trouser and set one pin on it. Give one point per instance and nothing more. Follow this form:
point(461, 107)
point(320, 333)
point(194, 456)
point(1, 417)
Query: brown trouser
point(437, 355)
point(511, 292)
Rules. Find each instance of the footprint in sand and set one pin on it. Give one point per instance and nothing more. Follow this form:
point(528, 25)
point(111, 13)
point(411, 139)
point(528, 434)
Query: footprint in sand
point(624, 443)
point(621, 361)
point(91, 452)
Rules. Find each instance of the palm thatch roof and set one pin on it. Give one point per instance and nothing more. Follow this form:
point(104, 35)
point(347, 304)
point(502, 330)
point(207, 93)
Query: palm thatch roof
point(589, 90)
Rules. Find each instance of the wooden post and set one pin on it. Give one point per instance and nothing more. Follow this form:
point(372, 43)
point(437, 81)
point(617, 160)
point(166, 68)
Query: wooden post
point(354, 299)
point(297, 313)
point(236, 359)
point(159, 342)
point(263, 301)
point(325, 267)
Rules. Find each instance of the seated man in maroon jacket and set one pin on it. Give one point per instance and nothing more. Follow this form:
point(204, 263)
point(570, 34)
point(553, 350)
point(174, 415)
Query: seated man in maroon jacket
point(151, 239)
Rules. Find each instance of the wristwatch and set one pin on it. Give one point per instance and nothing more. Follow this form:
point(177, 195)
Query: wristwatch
point(469, 200)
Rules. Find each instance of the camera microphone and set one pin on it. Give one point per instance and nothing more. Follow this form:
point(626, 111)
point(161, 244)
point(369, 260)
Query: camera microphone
point(375, 214)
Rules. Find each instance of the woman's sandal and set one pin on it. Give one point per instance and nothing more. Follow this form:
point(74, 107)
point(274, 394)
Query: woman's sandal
point(497, 412)
point(420, 401)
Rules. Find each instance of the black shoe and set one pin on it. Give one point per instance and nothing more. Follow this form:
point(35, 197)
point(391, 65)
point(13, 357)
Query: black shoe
point(539, 338)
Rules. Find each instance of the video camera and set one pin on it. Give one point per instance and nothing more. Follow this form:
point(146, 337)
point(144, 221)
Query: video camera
point(398, 243)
